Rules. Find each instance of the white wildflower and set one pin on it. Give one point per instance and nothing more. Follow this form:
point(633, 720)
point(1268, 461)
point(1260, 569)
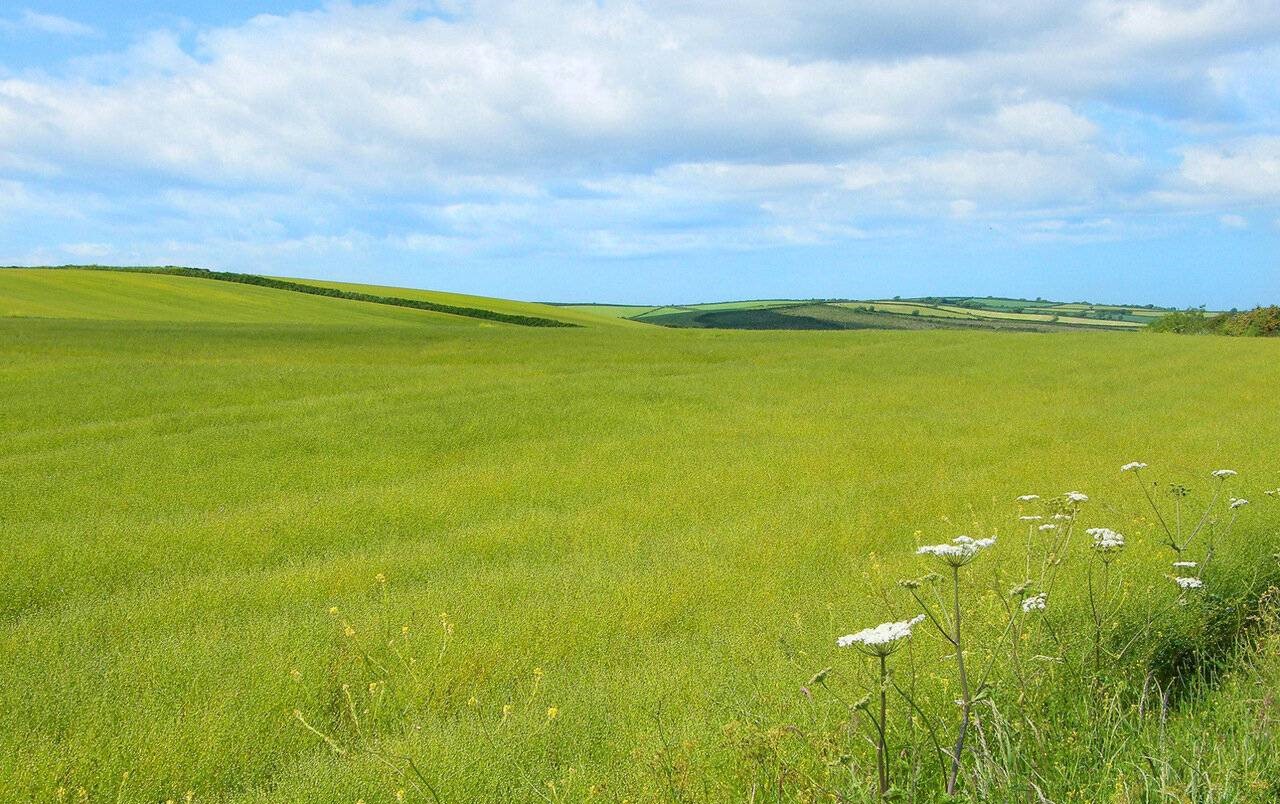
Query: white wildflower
point(1076, 497)
point(1029, 498)
point(1048, 526)
point(1031, 518)
point(1129, 467)
point(883, 639)
point(1223, 474)
point(1035, 602)
point(1186, 564)
point(1106, 540)
point(1188, 583)
point(961, 551)
point(1238, 503)
point(1063, 516)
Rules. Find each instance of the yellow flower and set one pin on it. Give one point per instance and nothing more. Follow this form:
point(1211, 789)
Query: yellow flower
point(552, 713)
point(400, 795)
point(296, 674)
point(506, 711)
point(380, 578)
point(348, 630)
point(404, 629)
point(473, 702)
point(333, 610)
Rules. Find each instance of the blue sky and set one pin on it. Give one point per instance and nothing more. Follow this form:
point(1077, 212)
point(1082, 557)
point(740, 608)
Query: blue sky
point(656, 151)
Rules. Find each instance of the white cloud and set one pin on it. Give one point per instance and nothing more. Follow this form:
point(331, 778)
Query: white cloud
point(1233, 221)
point(46, 23)
point(629, 127)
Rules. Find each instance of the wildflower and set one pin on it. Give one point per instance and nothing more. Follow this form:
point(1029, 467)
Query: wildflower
point(552, 713)
point(1186, 564)
point(380, 578)
point(1188, 583)
point(883, 639)
point(1238, 503)
point(296, 674)
point(1035, 602)
point(1029, 498)
point(1133, 466)
point(1031, 518)
point(1048, 526)
point(961, 551)
point(347, 630)
point(1076, 497)
point(400, 795)
point(1106, 540)
point(1223, 474)
point(333, 610)
point(506, 711)
point(1061, 517)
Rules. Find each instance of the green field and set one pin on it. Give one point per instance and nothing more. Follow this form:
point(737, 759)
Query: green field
point(656, 532)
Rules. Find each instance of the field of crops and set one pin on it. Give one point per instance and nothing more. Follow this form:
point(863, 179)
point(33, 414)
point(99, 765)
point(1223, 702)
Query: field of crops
point(270, 547)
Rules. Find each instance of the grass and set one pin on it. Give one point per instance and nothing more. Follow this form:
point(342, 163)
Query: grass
point(671, 525)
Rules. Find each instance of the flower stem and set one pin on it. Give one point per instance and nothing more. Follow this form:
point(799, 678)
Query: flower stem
point(965, 702)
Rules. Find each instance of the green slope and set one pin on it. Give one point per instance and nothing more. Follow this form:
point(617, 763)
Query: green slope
point(140, 296)
point(567, 314)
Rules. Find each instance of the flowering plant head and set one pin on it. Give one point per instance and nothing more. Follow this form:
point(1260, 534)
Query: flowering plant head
point(1133, 466)
point(959, 552)
point(1237, 503)
point(1076, 497)
point(883, 639)
point(1029, 498)
point(1188, 583)
point(1223, 474)
point(1036, 602)
point(1106, 541)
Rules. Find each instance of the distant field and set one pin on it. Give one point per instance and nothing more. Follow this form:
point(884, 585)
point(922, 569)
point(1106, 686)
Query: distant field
point(582, 316)
point(642, 540)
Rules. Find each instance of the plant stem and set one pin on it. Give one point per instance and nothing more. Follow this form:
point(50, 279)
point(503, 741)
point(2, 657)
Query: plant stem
point(965, 702)
point(882, 754)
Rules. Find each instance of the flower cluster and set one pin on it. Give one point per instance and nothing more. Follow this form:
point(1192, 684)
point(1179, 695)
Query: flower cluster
point(1035, 602)
point(1188, 583)
point(959, 552)
point(1133, 466)
point(883, 639)
point(1029, 498)
point(1223, 474)
point(1076, 497)
point(1106, 540)
point(1237, 503)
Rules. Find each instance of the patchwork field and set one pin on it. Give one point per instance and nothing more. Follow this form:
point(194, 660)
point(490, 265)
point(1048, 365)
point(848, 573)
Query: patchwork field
point(616, 552)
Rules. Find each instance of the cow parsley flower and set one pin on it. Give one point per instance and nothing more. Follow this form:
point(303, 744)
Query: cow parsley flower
point(1106, 540)
point(1061, 517)
point(1238, 503)
point(1223, 474)
point(1076, 497)
point(1129, 467)
point(1186, 564)
point(959, 552)
point(1035, 602)
point(1188, 583)
point(1029, 498)
point(883, 639)
point(1031, 518)
point(1048, 526)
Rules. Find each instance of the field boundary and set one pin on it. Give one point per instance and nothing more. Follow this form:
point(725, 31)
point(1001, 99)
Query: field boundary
point(314, 290)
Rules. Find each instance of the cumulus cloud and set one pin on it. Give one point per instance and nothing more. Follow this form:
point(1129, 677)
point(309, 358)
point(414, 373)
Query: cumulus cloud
point(625, 127)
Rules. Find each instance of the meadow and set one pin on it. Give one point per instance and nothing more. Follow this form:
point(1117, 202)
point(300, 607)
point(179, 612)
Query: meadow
point(617, 554)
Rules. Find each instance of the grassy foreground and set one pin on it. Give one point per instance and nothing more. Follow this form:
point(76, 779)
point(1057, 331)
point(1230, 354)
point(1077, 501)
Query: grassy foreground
point(634, 545)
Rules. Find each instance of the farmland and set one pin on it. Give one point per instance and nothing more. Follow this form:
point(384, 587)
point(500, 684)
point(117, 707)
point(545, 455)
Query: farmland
point(617, 552)
point(959, 312)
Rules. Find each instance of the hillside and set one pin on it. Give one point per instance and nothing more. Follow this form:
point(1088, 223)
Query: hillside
point(146, 296)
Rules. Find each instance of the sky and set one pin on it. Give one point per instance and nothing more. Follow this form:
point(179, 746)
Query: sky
point(656, 152)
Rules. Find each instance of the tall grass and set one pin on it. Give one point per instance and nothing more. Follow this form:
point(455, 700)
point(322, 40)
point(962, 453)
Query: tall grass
point(673, 526)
